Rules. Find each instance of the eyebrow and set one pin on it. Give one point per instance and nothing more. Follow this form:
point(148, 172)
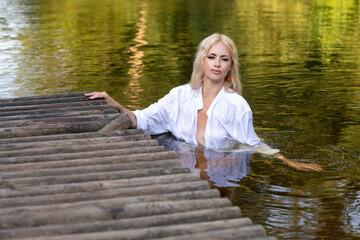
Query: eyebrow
point(220, 56)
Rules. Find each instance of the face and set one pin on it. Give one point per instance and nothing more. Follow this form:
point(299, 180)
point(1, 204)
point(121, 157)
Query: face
point(217, 63)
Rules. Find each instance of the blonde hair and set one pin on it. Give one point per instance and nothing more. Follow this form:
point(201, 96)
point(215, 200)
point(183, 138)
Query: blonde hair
point(202, 51)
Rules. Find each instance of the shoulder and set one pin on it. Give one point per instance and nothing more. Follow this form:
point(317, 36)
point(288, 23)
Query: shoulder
point(233, 102)
point(177, 95)
point(232, 108)
point(182, 91)
point(182, 88)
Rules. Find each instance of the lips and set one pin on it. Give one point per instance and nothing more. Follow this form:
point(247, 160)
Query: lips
point(215, 71)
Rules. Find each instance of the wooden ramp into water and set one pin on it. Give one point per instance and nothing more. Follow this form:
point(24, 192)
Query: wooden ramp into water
point(70, 169)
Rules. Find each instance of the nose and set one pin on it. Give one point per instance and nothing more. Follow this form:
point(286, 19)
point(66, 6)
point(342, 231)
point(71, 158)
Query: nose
point(217, 62)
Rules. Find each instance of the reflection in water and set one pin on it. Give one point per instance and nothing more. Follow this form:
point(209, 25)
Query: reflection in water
point(353, 211)
point(11, 22)
point(133, 89)
point(221, 169)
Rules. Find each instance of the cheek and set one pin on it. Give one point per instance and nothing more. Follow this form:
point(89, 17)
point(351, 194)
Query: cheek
point(207, 64)
point(228, 66)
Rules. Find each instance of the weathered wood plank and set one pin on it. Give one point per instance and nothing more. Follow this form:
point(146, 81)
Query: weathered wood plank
point(172, 230)
point(128, 223)
point(81, 155)
point(93, 177)
point(123, 121)
point(84, 135)
point(148, 154)
point(34, 101)
point(254, 232)
point(98, 111)
point(101, 210)
point(55, 110)
point(209, 198)
point(90, 169)
point(96, 185)
point(47, 96)
point(58, 120)
point(77, 148)
point(50, 129)
point(103, 194)
point(72, 142)
point(52, 106)
point(64, 125)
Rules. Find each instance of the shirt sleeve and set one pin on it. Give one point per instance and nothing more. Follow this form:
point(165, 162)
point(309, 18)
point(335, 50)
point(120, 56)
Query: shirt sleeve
point(155, 119)
point(238, 122)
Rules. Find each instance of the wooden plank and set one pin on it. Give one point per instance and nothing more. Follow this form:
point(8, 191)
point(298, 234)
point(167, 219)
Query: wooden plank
point(147, 154)
point(170, 231)
point(128, 223)
point(247, 232)
point(97, 111)
point(89, 169)
point(43, 97)
point(123, 121)
point(84, 135)
point(76, 148)
point(50, 129)
point(72, 142)
point(200, 200)
point(56, 128)
point(94, 177)
point(80, 155)
point(105, 209)
point(96, 185)
point(58, 120)
point(103, 194)
point(34, 101)
point(55, 110)
point(52, 106)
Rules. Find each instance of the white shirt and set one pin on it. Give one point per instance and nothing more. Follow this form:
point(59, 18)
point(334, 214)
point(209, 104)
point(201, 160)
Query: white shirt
point(222, 167)
point(229, 118)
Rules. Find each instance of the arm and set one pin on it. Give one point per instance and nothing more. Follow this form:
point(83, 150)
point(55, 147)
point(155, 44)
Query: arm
point(115, 104)
point(245, 133)
point(299, 166)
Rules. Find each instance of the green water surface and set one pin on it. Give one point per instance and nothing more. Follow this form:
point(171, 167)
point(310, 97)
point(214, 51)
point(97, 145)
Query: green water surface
point(299, 64)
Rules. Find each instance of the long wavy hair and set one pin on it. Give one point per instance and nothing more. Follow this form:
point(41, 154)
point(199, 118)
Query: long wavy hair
point(202, 51)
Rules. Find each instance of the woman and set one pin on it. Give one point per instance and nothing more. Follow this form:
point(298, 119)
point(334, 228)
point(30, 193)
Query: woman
point(210, 110)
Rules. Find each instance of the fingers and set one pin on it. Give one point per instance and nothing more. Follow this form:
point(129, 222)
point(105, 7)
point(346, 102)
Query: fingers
point(295, 165)
point(95, 95)
point(306, 166)
point(314, 167)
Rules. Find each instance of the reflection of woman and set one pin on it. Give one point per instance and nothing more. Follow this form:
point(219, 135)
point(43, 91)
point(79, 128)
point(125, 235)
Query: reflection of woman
point(221, 168)
point(210, 110)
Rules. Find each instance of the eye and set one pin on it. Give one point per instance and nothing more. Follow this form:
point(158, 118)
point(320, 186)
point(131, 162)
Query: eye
point(211, 57)
point(225, 59)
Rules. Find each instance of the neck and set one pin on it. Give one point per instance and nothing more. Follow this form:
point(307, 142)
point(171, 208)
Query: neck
point(211, 89)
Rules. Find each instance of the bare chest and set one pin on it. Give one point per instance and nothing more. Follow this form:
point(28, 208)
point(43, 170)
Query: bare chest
point(201, 126)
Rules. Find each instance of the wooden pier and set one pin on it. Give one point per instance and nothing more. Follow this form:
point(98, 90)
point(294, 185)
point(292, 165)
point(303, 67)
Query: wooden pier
point(71, 169)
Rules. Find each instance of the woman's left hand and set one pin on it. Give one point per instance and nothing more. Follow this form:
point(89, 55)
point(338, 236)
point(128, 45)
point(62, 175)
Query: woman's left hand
point(305, 166)
point(299, 166)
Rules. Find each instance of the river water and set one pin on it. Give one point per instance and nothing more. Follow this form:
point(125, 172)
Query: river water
point(299, 64)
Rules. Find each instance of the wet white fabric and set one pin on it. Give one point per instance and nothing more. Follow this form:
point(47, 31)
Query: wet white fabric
point(223, 169)
point(260, 148)
point(229, 118)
